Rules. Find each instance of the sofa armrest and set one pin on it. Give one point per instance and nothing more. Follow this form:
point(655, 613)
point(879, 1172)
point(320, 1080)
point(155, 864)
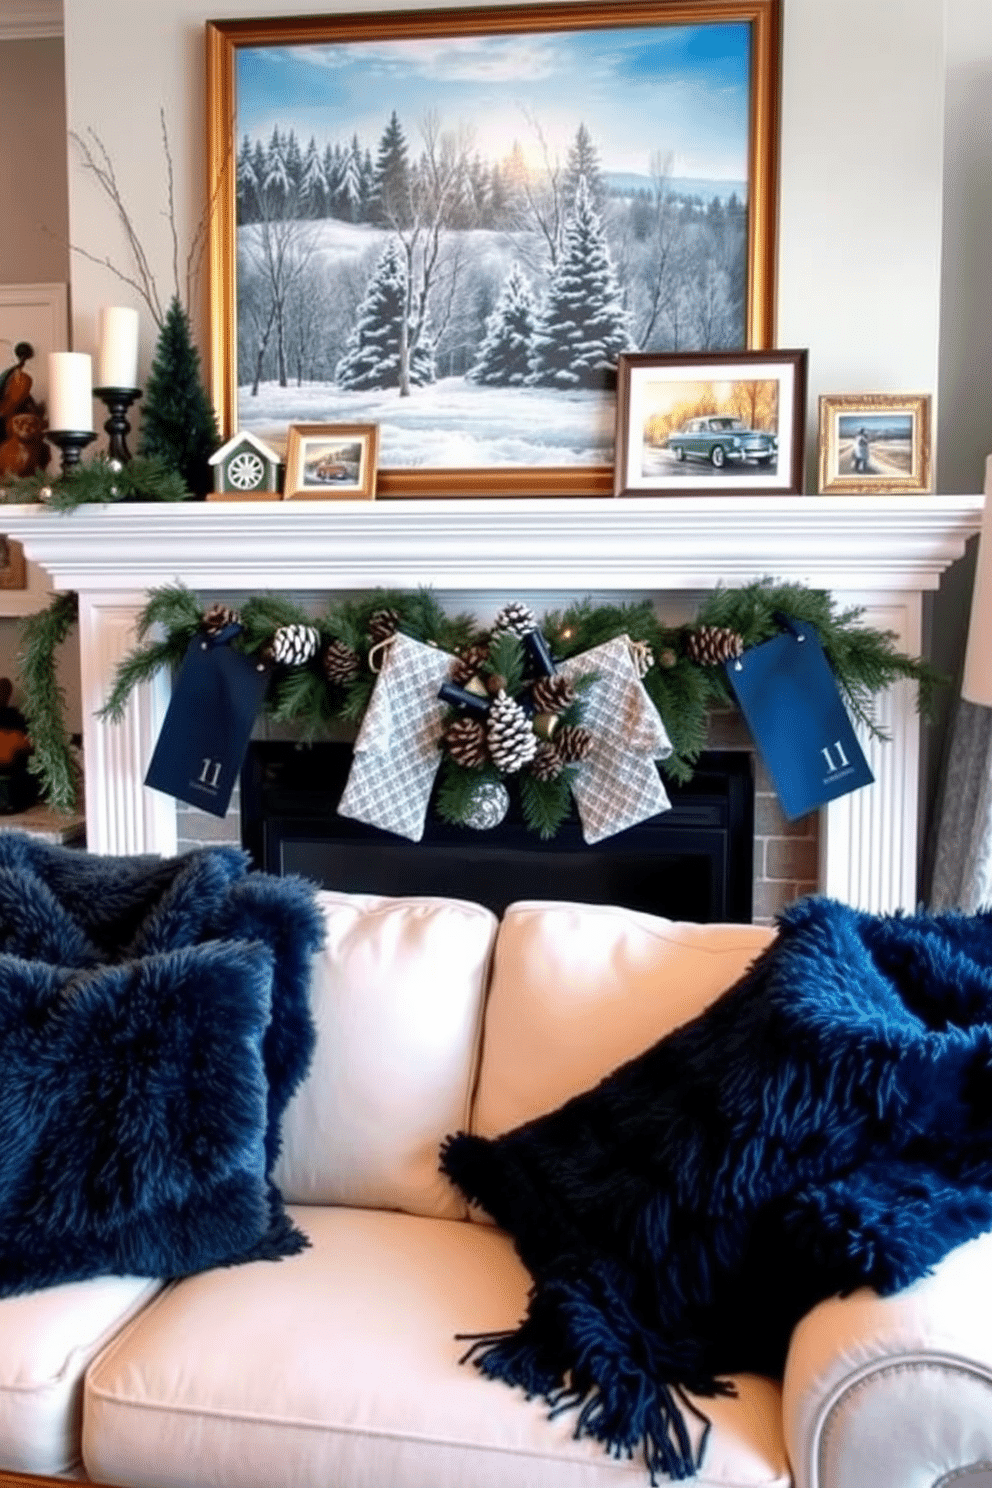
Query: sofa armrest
point(895, 1390)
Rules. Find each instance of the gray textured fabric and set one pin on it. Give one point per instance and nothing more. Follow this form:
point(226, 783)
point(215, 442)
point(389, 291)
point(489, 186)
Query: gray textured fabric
point(962, 869)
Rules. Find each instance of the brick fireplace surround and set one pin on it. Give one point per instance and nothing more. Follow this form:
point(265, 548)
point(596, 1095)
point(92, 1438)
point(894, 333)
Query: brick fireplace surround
point(880, 552)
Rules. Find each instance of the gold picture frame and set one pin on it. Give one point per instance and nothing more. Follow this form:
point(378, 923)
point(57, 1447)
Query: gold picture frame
point(517, 451)
point(874, 442)
point(331, 462)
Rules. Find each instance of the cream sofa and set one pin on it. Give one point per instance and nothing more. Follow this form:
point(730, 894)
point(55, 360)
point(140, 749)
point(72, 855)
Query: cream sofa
point(339, 1368)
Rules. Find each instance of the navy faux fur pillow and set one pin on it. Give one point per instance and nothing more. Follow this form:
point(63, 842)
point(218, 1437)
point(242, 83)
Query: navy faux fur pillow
point(154, 1022)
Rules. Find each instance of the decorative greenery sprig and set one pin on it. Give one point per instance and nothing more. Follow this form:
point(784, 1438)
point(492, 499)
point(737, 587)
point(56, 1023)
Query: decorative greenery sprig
point(51, 760)
point(864, 661)
point(99, 480)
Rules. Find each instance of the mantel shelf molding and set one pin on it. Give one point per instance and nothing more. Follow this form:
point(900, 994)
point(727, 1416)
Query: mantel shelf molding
point(879, 543)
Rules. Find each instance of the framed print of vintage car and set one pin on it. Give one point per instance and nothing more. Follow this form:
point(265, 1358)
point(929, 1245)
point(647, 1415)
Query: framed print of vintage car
point(328, 462)
point(710, 423)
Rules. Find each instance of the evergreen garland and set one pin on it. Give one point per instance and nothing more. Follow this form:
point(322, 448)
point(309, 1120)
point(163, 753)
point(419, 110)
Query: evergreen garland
point(176, 610)
point(99, 480)
point(44, 701)
point(546, 803)
point(864, 662)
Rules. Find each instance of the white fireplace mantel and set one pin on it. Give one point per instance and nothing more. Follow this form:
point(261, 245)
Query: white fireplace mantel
point(881, 552)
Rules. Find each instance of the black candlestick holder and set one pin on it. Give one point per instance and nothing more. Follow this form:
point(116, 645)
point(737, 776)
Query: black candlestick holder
point(118, 401)
point(71, 442)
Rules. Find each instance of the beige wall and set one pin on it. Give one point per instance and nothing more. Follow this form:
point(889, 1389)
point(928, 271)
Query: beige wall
point(33, 193)
point(965, 369)
point(861, 183)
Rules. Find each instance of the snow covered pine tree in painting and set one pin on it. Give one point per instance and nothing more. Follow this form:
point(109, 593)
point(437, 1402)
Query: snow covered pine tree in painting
point(470, 299)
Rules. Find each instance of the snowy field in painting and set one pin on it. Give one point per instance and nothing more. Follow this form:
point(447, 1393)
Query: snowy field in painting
point(450, 424)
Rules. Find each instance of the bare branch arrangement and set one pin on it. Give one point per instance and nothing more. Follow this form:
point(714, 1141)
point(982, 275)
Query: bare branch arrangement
point(97, 162)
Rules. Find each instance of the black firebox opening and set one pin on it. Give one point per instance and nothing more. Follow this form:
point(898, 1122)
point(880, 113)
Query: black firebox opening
point(694, 862)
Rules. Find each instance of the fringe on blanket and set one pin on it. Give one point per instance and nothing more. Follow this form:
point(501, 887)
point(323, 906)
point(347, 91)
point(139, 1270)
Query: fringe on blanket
point(580, 1347)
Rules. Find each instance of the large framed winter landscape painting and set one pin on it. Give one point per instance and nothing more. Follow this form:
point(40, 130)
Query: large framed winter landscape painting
point(451, 223)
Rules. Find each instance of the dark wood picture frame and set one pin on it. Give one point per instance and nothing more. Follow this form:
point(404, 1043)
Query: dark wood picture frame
point(713, 424)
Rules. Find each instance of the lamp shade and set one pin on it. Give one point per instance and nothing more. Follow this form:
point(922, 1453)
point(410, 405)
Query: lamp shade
point(976, 686)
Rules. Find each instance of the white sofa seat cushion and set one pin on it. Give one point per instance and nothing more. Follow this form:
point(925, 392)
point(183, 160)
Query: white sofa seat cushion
point(578, 989)
point(47, 1339)
point(397, 995)
point(895, 1389)
point(340, 1366)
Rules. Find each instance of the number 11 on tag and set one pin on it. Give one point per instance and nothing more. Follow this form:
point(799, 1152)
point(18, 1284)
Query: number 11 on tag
point(210, 772)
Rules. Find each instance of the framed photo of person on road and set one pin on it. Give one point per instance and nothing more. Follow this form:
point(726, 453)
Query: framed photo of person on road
point(874, 442)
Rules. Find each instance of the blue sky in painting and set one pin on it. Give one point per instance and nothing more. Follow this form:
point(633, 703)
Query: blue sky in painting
point(680, 90)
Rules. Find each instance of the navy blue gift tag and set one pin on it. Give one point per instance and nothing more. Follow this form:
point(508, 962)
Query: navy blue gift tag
point(204, 738)
point(800, 726)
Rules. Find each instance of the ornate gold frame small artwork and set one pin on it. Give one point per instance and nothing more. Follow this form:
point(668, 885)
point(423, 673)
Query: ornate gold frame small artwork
point(875, 442)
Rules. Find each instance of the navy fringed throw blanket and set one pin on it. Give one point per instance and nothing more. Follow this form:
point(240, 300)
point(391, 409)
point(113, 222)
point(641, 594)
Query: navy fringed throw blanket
point(826, 1124)
point(154, 1022)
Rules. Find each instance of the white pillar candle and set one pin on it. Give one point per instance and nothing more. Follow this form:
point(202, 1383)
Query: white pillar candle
point(117, 361)
point(70, 390)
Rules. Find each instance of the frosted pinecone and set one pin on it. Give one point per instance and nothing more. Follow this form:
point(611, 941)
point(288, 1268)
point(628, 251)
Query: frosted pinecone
point(547, 763)
point(552, 694)
point(218, 617)
point(295, 645)
point(512, 742)
point(642, 656)
point(383, 624)
point(708, 645)
point(465, 741)
point(340, 662)
point(515, 618)
point(572, 745)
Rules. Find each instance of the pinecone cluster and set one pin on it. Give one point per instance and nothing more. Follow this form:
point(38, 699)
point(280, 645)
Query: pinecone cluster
point(515, 618)
point(465, 741)
point(218, 617)
point(340, 662)
point(294, 645)
point(642, 656)
point(552, 694)
point(469, 660)
point(511, 736)
point(709, 645)
point(382, 625)
point(511, 740)
point(572, 745)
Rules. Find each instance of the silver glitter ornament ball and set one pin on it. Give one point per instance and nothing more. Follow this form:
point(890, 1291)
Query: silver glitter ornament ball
point(490, 803)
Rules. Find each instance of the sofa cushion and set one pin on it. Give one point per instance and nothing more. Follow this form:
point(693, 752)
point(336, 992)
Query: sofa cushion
point(133, 1116)
point(340, 1366)
point(397, 1000)
point(577, 989)
point(47, 1340)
